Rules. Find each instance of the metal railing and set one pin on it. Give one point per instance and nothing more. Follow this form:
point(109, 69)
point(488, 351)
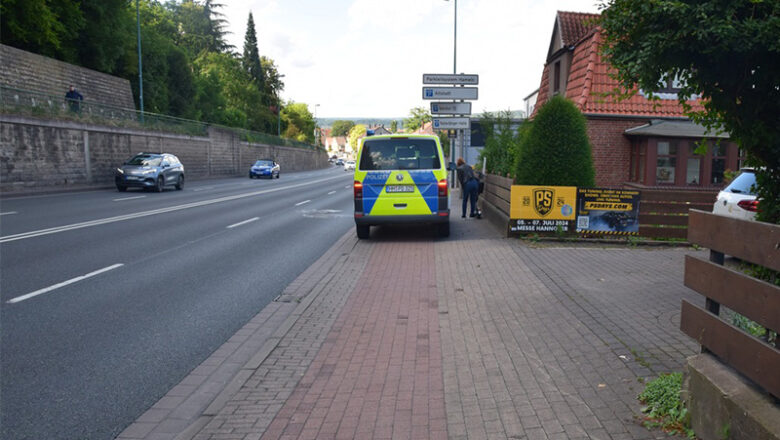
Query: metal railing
point(31, 103)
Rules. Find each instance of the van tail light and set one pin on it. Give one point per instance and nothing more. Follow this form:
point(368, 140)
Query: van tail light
point(443, 188)
point(358, 187)
point(748, 205)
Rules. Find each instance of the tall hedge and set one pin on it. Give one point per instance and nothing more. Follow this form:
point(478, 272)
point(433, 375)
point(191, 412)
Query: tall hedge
point(556, 150)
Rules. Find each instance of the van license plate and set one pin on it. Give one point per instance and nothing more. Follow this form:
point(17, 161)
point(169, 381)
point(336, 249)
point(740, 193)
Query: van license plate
point(399, 188)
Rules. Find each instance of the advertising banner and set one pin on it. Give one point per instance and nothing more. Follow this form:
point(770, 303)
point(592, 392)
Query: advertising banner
point(608, 211)
point(542, 208)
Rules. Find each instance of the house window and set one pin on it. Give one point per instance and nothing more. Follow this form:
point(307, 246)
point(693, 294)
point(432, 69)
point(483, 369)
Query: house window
point(666, 162)
point(693, 168)
point(557, 78)
point(718, 150)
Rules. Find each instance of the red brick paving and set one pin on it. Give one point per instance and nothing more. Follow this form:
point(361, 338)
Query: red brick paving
point(379, 373)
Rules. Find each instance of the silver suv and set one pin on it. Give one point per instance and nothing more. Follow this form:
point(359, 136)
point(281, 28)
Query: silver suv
point(150, 171)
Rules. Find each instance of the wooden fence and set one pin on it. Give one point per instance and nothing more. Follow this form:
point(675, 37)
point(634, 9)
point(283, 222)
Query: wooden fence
point(664, 213)
point(497, 190)
point(759, 301)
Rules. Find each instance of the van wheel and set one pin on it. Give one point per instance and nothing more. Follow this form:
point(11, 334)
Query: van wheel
point(363, 231)
point(444, 229)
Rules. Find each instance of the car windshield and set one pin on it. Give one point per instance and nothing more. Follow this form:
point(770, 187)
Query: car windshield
point(745, 183)
point(264, 163)
point(399, 154)
point(145, 160)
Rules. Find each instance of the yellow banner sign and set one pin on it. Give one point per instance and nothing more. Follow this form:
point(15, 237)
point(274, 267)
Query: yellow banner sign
point(542, 202)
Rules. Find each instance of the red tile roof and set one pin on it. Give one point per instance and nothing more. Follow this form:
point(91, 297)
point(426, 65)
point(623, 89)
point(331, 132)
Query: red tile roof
point(589, 81)
point(575, 25)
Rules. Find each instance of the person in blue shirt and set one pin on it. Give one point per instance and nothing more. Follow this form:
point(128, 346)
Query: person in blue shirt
point(74, 98)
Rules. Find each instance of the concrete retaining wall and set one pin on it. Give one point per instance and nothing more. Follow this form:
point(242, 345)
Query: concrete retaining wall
point(28, 71)
point(39, 155)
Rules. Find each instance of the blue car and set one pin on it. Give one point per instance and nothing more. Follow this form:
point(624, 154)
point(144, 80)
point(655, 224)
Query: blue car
point(150, 171)
point(264, 168)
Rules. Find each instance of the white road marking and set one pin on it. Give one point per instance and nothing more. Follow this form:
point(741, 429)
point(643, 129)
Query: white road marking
point(64, 283)
point(302, 203)
point(8, 213)
point(332, 192)
point(119, 218)
point(244, 222)
point(203, 188)
point(129, 198)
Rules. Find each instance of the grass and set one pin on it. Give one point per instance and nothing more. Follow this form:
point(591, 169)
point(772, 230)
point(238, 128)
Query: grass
point(663, 407)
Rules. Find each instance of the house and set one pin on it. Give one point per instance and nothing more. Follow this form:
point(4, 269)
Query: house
point(636, 140)
point(379, 130)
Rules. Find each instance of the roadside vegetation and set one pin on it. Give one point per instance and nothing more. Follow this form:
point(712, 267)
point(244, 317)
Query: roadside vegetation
point(663, 406)
point(189, 69)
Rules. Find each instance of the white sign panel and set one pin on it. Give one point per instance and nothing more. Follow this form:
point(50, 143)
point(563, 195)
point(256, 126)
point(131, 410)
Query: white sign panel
point(447, 78)
point(449, 93)
point(451, 124)
point(450, 108)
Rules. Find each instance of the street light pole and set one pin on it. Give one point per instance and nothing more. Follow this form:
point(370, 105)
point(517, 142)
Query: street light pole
point(458, 133)
point(316, 127)
point(140, 65)
point(279, 113)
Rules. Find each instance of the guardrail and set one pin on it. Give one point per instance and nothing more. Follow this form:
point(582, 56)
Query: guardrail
point(32, 103)
point(759, 301)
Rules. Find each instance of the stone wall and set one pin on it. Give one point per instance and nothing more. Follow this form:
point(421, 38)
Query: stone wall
point(38, 155)
point(28, 71)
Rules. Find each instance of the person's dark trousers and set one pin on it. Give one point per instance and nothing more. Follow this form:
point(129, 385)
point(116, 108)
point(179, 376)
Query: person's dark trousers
point(470, 193)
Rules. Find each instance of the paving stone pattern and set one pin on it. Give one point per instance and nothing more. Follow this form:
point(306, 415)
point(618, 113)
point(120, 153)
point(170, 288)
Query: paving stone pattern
point(473, 337)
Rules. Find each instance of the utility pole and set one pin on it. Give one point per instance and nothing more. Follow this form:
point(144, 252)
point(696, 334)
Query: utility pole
point(140, 64)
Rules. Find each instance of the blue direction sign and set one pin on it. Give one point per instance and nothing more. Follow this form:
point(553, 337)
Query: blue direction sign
point(450, 93)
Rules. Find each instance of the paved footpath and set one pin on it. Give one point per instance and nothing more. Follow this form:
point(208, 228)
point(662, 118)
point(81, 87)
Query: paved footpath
point(472, 337)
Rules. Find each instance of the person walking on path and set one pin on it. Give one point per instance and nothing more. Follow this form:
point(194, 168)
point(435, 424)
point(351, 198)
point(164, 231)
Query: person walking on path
point(469, 185)
point(74, 98)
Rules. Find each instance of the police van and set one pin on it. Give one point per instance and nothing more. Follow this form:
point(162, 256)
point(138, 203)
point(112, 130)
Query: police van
point(401, 179)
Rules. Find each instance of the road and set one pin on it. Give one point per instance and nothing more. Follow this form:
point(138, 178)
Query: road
point(109, 299)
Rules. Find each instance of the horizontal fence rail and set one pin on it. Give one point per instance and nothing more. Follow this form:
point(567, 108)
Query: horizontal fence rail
point(757, 300)
point(36, 104)
point(664, 213)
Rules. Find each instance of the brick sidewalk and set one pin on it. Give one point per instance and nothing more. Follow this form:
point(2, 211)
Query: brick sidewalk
point(472, 337)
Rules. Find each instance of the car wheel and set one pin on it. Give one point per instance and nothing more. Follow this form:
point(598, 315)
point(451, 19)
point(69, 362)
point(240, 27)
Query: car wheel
point(160, 185)
point(363, 231)
point(251, 176)
point(180, 182)
point(121, 188)
point(444, 229)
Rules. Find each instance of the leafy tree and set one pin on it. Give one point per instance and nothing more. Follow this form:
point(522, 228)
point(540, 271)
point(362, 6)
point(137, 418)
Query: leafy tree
point(341, 127)
point(394, 126)
point(273, 84)
point(216, 23)
point(300, 122)
point(109, 31)
point(355, 133)
point(728, 52)
point(502, 142)
point(42, 26)
point(418, 116)
point(556, 150)
point(251, 59)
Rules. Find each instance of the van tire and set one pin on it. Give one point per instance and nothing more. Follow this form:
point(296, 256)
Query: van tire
point(363, 231)
point(444, 229)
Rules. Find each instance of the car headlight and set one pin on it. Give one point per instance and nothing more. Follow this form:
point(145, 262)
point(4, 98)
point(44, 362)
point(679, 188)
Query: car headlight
point(120, 171)
point(148, 171)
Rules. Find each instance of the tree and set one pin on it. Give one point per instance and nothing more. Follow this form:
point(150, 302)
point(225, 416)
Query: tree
point(355, 133)
point(216, 24)
point(728, 52)
point(251, 59)
point(556, 150)
point(41, 26)
point(502, 142)
point(341, 128)
point(394, 126)
point(300, 122)
point(418, 116)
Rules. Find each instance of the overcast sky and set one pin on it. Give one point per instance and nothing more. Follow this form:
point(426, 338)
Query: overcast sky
point(365, 58)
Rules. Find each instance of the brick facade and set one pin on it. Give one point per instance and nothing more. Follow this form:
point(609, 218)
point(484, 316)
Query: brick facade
point(611, 148)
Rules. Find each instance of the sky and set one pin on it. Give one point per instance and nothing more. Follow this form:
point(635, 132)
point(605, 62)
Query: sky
point(366, 58)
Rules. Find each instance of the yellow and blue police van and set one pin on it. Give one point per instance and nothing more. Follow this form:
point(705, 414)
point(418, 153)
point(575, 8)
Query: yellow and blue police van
point(401, 179)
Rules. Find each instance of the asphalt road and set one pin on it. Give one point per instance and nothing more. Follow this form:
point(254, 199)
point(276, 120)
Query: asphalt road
point(109, 299)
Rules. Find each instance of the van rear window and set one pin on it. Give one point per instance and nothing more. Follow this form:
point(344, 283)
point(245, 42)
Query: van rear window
point(399, 154)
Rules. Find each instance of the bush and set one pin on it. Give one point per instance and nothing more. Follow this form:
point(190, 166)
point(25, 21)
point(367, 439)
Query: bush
point(502, 142)
point(556, 150)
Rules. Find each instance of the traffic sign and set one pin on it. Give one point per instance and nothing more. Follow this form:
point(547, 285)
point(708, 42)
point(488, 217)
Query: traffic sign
point(449, 93)
point(450, 108)
point(451, 123)
point(448, 78)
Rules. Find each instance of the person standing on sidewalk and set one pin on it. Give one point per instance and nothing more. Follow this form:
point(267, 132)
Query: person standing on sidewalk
point(469, 185)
